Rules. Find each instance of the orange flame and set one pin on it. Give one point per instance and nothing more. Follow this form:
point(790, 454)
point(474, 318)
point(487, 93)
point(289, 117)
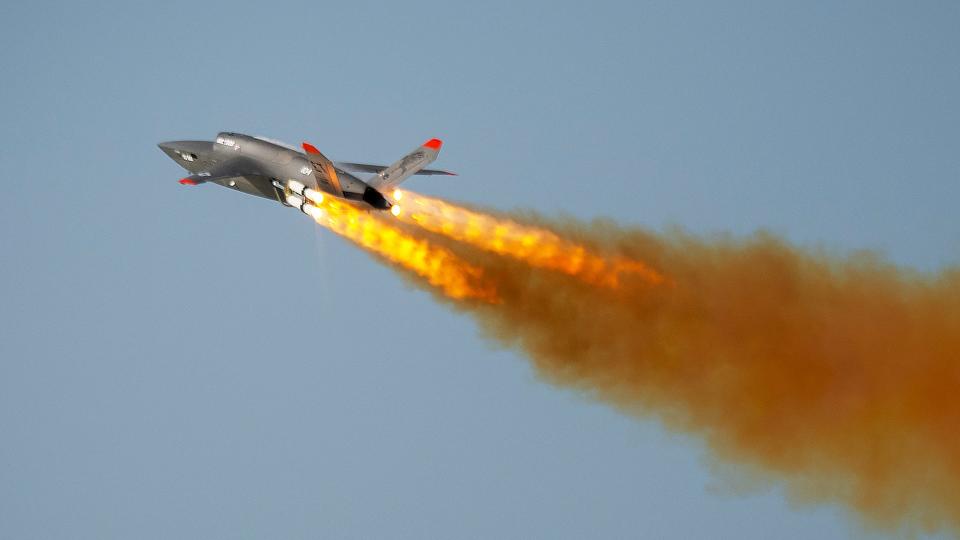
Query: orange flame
point(535, 246)
point(440, 267)
point(838, 376)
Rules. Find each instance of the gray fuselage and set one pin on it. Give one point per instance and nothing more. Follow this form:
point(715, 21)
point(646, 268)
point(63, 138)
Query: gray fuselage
point(253, 165)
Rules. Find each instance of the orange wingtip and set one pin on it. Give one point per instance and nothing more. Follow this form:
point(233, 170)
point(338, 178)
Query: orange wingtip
point(187, 182)
point(310, 149)
point(434, 144)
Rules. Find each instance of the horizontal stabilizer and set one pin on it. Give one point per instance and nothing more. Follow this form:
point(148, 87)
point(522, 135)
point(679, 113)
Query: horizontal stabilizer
point(376, 169)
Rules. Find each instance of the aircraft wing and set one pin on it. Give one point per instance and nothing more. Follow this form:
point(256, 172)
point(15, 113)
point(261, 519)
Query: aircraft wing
point(238, 173)
point(218, 173)
point(409, 164)
point(376, 169)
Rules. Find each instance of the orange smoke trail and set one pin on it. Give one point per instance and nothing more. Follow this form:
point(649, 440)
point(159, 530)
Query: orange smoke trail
point(438, 266)
point(837, 376)
point(535, 246)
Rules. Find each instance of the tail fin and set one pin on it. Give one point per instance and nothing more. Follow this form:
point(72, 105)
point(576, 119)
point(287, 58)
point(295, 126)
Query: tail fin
point(408, 165)
point(323, 170)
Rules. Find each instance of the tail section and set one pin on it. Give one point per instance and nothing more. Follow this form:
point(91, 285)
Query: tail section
point(408, 165)
point(323, 170)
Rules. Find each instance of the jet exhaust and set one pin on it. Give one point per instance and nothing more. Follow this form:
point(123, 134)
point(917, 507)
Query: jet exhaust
point(435, 265)
point(835, 377)
point(375, 199)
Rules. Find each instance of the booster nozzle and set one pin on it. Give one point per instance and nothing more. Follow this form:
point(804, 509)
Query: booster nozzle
point(295, 200)
point(313, 195)
point(296, 187)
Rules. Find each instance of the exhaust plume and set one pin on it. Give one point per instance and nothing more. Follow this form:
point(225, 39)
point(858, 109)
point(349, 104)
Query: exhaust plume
point(535, 246)
point(837, 377)
point(437, 266)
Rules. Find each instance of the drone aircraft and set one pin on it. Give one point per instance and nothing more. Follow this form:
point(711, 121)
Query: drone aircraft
point(276, 170)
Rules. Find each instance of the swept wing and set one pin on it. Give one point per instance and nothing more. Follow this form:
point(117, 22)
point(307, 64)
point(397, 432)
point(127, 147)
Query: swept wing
point(408, 165)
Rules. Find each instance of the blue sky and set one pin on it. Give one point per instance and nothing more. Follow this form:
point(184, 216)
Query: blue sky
point(193, 363)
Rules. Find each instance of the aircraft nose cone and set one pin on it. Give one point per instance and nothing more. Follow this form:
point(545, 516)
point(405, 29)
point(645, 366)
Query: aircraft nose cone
point(172, 150)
